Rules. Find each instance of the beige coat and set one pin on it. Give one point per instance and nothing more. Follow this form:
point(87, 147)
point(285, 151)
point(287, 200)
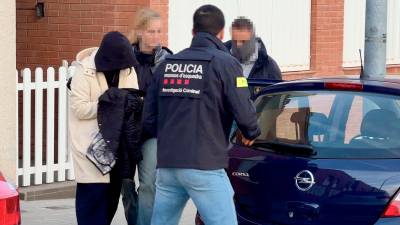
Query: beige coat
point(86, 87)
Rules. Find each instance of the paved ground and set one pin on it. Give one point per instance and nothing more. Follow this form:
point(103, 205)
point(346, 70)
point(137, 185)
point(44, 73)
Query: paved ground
point(62, 212)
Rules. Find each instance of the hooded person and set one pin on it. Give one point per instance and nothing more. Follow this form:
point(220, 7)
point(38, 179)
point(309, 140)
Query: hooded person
point(97, 69)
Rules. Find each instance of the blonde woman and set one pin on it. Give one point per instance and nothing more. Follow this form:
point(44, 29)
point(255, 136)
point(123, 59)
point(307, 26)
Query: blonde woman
point(146, 45)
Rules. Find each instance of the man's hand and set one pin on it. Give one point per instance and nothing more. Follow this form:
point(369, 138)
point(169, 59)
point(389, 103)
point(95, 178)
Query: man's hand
point(247, 142)
point(243, 140)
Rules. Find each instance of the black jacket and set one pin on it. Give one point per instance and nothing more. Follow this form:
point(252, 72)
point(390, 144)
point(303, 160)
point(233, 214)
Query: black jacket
point(265, 66)
point(192, 103)
point(119, 116)
point(147, 64)
point(145, 68)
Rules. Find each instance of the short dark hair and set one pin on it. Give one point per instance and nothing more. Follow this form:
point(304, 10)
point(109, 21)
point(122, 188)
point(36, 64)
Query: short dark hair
point(209, 19)
point(242, 23)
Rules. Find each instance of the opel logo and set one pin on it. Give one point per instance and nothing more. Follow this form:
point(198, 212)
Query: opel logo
point(304, 180)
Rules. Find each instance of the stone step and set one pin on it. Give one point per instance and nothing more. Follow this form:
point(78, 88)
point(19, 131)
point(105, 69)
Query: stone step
point(58, 190)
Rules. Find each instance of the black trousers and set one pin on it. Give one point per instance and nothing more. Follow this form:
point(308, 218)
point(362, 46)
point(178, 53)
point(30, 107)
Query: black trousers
point(96, 203)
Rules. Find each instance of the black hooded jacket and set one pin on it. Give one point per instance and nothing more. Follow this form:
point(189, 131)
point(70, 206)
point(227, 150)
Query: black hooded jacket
point(114, 53)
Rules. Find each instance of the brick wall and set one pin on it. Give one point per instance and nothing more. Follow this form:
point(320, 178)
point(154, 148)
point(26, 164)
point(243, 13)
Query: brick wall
point(327, 36)
point(68, 27)
point(71, 25)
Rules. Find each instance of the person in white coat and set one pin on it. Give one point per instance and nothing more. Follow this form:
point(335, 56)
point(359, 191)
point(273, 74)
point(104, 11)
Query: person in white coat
point(97, 69)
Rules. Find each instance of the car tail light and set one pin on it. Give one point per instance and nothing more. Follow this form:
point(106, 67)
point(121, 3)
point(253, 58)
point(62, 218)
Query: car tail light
point(393, 209)
point(9, 203)
point(9, 211)
point(344, 86)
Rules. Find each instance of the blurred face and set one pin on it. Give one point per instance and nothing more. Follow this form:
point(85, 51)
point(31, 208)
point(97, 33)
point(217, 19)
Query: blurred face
point(240, 37)
point(150, 37)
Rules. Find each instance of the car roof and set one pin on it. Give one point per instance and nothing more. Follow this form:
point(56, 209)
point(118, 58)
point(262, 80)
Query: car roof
point(388, 85)
point(394, 79)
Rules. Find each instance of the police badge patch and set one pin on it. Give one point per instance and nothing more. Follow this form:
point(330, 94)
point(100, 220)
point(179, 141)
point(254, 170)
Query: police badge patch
point(183, 79)
point(241, 82)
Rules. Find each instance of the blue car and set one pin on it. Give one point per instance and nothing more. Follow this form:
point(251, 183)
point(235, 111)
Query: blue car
point(328, 154)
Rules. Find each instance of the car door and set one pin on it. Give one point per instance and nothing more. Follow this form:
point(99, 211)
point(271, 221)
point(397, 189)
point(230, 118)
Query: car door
point(304, 167)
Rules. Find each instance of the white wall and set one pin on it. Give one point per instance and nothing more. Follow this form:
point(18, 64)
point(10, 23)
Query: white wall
point(8, 126)
point(283, 25)
point(354, 29)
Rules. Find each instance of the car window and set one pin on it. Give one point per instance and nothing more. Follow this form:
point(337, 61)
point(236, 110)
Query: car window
point(368, 128)
point(300, 118)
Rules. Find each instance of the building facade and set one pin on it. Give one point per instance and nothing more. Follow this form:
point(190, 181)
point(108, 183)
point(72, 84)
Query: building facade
point(306, 37)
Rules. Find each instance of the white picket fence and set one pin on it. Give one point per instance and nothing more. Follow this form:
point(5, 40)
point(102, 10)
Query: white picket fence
point(34, 167)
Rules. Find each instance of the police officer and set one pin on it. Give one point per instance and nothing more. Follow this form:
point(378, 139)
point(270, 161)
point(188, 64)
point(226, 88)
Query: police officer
point(190, 106)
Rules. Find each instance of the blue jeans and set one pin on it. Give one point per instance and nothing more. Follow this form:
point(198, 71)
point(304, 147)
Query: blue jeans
point(210, 191)
point(139, 207)
point(147, 182)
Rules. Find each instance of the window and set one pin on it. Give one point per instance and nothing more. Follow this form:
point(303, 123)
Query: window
point(334, 124)
point(299, 119)
point(354, 30)
point(276, 22)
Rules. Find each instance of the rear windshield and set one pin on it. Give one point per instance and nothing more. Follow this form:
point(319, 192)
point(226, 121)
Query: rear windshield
point(336, 124)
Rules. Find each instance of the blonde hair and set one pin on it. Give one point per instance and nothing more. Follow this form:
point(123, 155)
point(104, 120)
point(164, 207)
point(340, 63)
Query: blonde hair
point(142, 19)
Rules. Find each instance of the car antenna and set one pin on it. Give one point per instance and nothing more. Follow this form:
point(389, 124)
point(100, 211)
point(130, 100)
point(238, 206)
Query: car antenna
point(362, 66)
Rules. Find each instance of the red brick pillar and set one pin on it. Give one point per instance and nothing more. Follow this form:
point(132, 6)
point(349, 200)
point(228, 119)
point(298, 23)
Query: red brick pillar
point(327, 18)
